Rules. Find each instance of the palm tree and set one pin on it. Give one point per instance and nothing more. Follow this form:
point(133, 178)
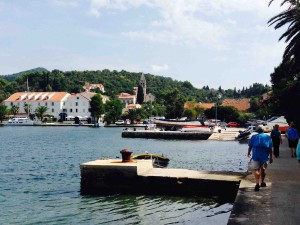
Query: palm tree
point(27, 108)
point(40, 112)
point(15, 109)
point(290, 17)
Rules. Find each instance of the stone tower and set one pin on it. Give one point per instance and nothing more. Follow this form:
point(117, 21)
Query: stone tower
point(142, 82)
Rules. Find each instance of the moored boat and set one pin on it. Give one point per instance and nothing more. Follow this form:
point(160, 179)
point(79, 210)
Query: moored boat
point(158, 160)
point(19, 121)
point(191, 128)
point(281, 121)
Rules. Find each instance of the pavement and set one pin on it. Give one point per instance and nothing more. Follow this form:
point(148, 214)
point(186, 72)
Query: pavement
point(279, 202)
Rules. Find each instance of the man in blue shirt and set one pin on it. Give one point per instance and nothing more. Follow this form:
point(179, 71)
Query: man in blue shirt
point(261, 146)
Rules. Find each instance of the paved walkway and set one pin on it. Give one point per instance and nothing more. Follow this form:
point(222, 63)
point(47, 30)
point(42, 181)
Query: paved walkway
point(279, 202)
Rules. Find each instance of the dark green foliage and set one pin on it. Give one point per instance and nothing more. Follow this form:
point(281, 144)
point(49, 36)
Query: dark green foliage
point(40, 112)
point(285, 79)
point(225, 113)
point(116, 82)
point(3, 112)
point(135, 114)
point(96, 107)
point(174, 103)
point(12, 77)
point(113, 110)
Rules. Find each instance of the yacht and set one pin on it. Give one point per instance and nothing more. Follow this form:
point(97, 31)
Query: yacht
point(19, 121)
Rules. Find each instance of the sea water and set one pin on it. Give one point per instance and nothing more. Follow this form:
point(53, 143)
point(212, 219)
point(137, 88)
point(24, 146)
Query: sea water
point(40, 177)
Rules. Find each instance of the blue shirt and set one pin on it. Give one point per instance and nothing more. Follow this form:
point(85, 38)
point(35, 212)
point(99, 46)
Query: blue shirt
point(275, 134)
point(261, 144)
point(292, 134)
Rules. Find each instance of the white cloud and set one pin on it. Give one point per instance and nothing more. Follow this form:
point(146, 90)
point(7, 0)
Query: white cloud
point(66, 3)
point(192, 22)
point(265, 54)
point(157, 68)
point(97, 5)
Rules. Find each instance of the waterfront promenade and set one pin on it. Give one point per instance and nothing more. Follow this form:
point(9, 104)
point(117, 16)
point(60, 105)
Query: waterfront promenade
point(276, 204)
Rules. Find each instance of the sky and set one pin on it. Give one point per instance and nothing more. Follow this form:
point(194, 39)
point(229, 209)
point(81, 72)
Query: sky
point(225, 43)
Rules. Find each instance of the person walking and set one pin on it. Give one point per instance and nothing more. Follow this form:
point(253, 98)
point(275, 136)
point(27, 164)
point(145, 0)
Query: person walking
point(261, 146)
point(276, 139)
point(292, 135)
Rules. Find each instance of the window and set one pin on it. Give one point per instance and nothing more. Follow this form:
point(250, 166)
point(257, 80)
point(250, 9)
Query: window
point(46, 103)
point(77, 97)
point(71, 110)
point(52, 103)
point(11, 103)
point(64, 103)
point(53, 110)
point(76, 110)
point(76, 103)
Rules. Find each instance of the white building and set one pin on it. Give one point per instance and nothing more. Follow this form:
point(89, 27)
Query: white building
point(58, 103)
point(77, 105)
point(127, 98)
point(54, 101)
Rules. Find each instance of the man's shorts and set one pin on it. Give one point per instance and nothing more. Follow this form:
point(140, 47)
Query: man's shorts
point(293, 143)
point(256, 165)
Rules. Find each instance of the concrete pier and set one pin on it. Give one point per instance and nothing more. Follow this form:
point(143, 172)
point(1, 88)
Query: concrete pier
point(139, 177)
point(166, 134)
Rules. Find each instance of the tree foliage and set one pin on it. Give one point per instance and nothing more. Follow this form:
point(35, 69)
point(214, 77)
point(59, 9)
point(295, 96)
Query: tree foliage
point(116, 82)
point(113, 110)
point(40, 112)
point(3, 112)
point(96, 107)
point(285, 78)
point(174, 103)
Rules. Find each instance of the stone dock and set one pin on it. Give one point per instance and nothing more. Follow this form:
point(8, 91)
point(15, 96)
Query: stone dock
point(139, 177)
point(227, 134)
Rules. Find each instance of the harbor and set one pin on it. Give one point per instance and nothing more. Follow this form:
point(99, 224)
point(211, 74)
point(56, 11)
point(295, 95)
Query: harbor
point(48, 168)
point(43, 176)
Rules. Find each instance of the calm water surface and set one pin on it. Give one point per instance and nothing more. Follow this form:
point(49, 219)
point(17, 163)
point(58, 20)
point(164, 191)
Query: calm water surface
point(40, 177)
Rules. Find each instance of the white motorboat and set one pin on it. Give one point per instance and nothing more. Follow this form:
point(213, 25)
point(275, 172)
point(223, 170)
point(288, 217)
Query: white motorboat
point(191, 128)
point(281, 121)
point(19, 121)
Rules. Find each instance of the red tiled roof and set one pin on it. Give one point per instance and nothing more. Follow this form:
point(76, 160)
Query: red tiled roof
point(241, 104)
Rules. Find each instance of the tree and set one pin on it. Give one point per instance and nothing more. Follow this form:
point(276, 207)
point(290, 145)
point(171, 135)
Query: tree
point(285, 79)
point(96, 107)
point(225, 113)
point(15, 109)
point(140, 95)
point(40, 112)
point(113, 110)
point(135, 114)
point(27, 108)
point(3, 112)
point(291, 19)
point(190, 113)
point(48, 88)
point(174, 103)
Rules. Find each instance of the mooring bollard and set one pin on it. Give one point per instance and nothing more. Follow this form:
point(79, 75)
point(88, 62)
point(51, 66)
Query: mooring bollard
point(126, 155)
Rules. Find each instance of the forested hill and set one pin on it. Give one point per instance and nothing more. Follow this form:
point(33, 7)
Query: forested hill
point(116, 82)
point(12, 77)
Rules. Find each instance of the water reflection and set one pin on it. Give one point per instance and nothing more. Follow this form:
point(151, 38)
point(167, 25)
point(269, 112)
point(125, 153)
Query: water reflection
point(154, 210)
